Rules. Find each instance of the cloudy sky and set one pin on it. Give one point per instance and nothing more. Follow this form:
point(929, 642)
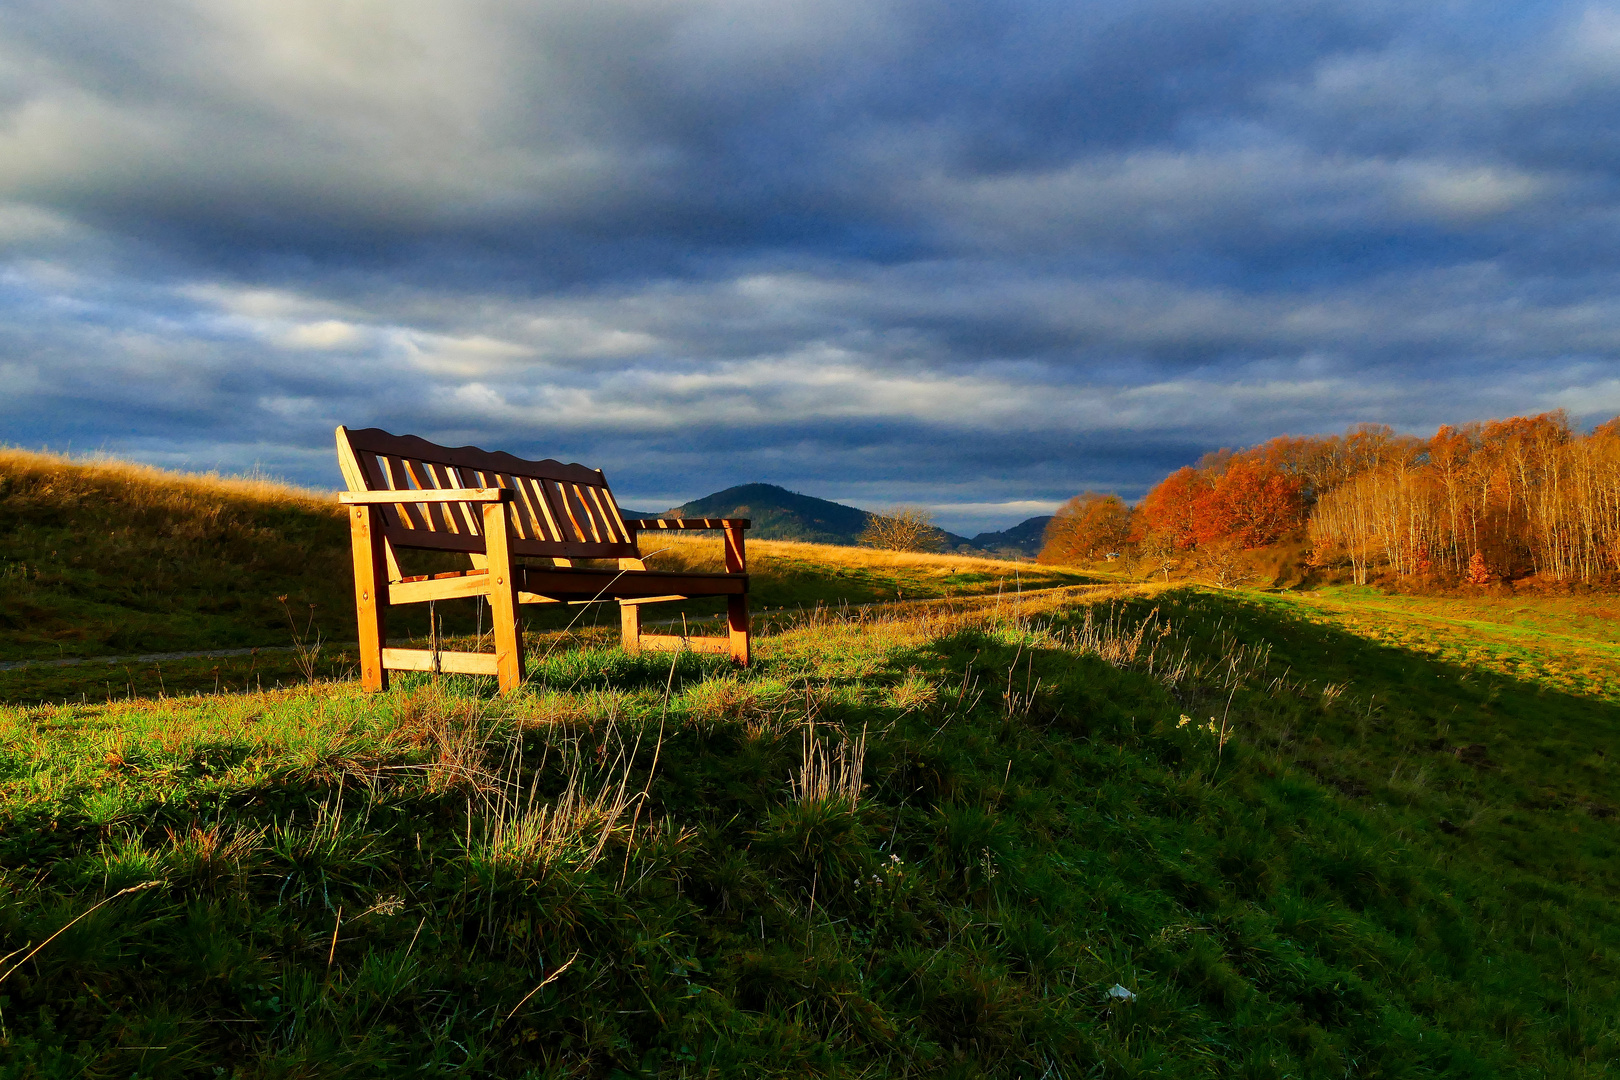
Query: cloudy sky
point(973, 254)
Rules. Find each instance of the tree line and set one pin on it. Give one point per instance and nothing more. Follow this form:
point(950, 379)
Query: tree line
point(1502, 498)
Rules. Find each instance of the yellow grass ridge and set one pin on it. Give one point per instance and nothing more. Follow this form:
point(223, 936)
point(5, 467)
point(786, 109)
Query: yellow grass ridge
point(149, 485)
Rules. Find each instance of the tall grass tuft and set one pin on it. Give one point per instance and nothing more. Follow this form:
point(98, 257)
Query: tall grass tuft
point(521, 833)
point(454, 731)
point(830, 775)
point(1145, 644)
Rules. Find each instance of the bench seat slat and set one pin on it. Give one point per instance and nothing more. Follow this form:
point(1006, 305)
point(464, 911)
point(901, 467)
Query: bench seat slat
point(453, 663)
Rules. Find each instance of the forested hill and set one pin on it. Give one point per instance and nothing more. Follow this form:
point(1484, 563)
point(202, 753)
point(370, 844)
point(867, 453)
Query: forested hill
point(780, 514)
point(1025, 537)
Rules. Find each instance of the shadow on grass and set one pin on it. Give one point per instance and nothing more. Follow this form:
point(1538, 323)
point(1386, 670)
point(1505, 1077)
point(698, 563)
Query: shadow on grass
point(1036, 827)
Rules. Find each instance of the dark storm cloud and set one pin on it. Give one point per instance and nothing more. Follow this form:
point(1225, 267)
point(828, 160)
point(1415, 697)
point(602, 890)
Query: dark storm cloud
point(969, 254)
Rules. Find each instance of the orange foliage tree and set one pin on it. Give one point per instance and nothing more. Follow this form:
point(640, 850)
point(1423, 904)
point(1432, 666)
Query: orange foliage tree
point(1523, 495)
point(1085, 528)
point(1246, 498)
point(1251, 503)
point(1170, 509)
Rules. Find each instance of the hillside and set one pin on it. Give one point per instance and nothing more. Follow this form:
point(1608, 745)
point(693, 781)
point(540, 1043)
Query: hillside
point(1175, 833)
point(108, 557)
point(1025, 538)
point(105, 559)
point(780, 514)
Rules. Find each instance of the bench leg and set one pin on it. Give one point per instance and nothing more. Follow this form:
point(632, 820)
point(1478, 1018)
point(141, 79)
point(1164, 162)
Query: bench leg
point(737, 624)
point(508, 639)
point(630, 627)
point(503, 607)
point(370, 592)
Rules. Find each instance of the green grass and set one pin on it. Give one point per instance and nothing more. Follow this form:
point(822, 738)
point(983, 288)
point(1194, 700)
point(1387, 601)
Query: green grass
point(608, 874)
point(1568, 643)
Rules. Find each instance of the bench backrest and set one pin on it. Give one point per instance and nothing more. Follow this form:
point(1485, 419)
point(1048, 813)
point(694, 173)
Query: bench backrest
point(558, 511)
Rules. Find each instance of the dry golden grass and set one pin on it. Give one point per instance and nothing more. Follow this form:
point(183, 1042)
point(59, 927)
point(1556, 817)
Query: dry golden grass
point(111, 557)
point(701, 551)
point(149, 485)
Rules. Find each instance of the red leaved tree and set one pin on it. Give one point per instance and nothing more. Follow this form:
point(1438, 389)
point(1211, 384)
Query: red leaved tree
point(1251, 503)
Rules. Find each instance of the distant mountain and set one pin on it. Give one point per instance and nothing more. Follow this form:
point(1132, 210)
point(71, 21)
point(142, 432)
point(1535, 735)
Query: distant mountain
point(1025, 537)
point(780, 514)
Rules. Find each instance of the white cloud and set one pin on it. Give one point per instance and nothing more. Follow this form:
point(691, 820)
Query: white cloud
point(468, 356)
point(1027, 507)
point(1599, 399)
point(326, 334)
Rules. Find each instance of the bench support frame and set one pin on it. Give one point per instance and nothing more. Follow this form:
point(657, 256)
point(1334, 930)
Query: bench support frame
point(406, 492)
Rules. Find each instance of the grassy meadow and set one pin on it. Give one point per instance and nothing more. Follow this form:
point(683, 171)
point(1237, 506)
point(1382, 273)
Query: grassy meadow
point(961, 818)
point(109, 559)
point(928, 840)
point(1568, 643)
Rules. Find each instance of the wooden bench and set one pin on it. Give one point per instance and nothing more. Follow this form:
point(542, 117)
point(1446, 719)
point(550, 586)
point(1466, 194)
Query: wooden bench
point(405, 492)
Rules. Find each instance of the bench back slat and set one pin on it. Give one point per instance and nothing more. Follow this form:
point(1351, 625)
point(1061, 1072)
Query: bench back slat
point(557, 510)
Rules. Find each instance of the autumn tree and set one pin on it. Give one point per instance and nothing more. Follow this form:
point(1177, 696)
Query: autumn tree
point(1224, 564)
point(903, 528)
point(1086, 528)
point(1504, 498)
point(1158, 553)
point(1250, 503)
point(1527, 494)
point(1171, 508)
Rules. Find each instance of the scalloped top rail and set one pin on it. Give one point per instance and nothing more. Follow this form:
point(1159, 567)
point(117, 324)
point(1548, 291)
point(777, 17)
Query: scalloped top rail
point(557, 510)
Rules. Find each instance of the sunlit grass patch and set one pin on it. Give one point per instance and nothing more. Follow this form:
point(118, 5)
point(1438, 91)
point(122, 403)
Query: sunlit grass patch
point(1554, 641)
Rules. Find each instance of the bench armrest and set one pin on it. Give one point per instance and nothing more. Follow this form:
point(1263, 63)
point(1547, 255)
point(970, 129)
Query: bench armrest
point(736, 554)
point(432, 495)
point(686, 523)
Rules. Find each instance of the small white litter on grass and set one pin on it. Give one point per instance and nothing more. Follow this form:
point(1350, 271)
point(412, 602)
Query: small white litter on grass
point(1120, 994)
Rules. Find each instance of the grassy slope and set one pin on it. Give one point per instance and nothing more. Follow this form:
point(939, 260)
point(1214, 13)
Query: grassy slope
point(110, 558)
point(789, 574)
point(1333, 892)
